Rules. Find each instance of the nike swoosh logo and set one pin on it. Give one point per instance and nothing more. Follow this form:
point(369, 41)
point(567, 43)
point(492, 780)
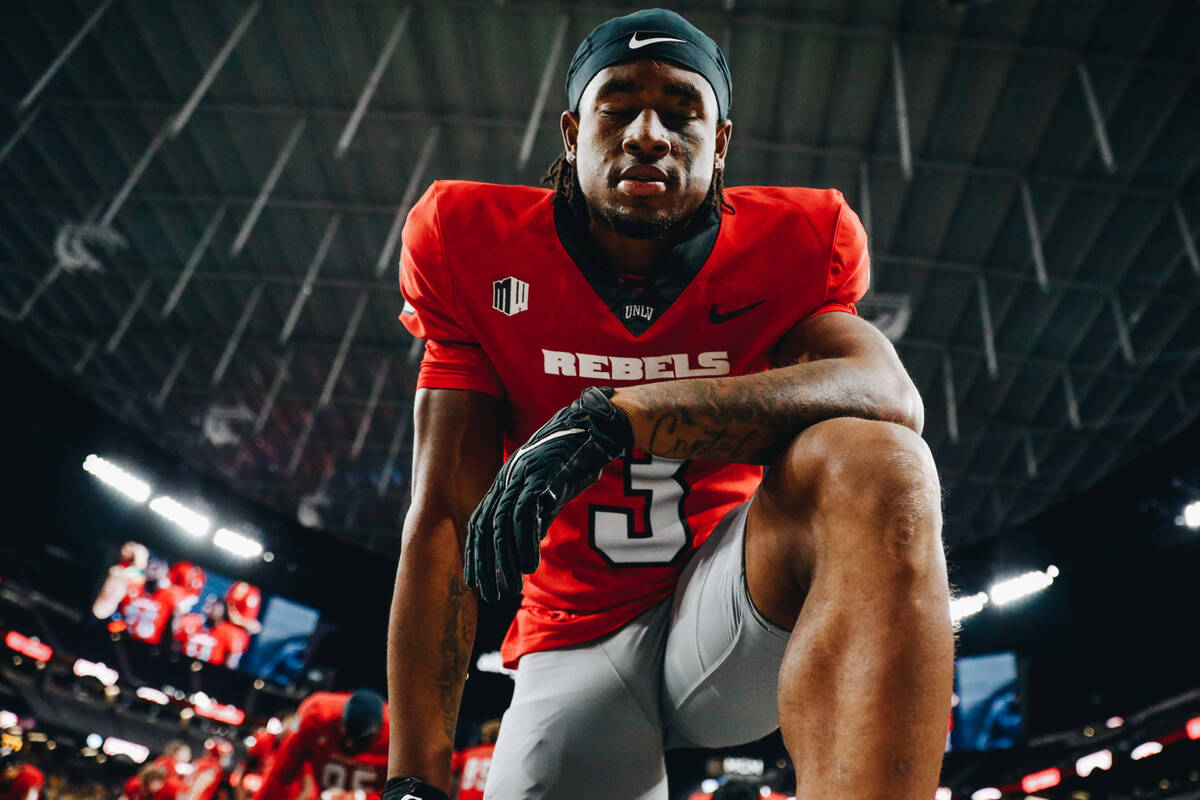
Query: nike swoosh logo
point(534, 445)
point(716, 317)
point(635, 43)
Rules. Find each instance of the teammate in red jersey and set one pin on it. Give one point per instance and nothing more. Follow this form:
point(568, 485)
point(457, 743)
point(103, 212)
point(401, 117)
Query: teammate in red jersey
point(209, 770)
point(211, 637)
point(21, 781)
point(148, 617)
point(145, 784)
point(247, 778)
point(175, 762)
point(470, 766)
point(342, 736)
point(672, 596)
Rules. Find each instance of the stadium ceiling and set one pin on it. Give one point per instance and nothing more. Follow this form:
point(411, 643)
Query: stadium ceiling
point(200, 202)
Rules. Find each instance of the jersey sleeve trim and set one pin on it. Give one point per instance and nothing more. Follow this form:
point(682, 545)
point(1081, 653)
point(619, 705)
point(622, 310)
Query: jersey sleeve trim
point(458, 365)
point(830, 302)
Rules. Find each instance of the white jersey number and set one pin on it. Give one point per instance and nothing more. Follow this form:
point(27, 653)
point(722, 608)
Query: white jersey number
point(338, 776)
point(663, 534)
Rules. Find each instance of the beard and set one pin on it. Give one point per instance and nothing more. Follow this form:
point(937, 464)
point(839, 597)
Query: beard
point(627, 223)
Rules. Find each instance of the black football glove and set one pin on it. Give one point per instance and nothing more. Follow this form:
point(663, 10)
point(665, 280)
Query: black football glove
point(563, 458)
point(410, 789)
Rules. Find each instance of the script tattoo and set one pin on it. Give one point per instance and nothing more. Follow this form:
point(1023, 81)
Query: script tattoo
point(726, 421)
point(666, 439)
point(457, 636)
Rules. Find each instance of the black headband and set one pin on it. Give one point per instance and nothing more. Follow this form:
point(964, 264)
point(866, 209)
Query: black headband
point(650, 33)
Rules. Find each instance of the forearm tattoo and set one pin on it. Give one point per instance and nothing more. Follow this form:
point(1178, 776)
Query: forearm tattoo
point(746, 419)
point(458, 636)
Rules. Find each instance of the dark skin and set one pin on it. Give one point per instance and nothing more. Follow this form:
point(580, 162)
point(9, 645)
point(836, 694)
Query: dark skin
point(842, 540)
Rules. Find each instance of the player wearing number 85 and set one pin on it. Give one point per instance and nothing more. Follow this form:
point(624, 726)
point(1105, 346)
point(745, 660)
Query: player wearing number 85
point(670, 595)
point(343, 738)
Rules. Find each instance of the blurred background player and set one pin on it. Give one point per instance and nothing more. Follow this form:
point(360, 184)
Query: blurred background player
point(343, 736)
point(147, 783)
point(470, 766)
point(126, 580)
point(247, 779)
point(210, 636)
point(148, 617)
point(210, 771)
point(20, 780)
point(176, 763)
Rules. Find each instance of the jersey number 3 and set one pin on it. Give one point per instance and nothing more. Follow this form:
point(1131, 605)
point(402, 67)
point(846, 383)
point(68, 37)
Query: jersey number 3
point(663, 534)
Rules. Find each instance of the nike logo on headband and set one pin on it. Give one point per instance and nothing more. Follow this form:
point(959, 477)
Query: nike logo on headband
point(635, 43)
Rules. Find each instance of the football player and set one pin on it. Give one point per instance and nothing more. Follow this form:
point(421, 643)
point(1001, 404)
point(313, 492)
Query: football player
point(470, 767)
point(639, 342)
point(176, 764)
point(260, 751)
point(210, 770)
point(126, 580)
point(149, 616)
point(145, 784)
point(343, 737)
point(20, 780)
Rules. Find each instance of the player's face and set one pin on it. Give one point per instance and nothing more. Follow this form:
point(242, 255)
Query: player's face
point(645, 140)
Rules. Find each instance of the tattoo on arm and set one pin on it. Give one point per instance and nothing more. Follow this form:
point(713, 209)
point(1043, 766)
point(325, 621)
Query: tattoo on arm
point(458, 635)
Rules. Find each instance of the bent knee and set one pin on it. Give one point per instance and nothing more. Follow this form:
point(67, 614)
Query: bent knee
point(872, 485)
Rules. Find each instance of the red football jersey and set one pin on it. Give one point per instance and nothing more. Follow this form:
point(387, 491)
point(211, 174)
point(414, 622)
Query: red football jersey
point(511, 300)
point(472, 766)
point(148, 617)
point(224, 643)
point(205, 779)
point(26, 784)
point(316, 740)
point(174, 785)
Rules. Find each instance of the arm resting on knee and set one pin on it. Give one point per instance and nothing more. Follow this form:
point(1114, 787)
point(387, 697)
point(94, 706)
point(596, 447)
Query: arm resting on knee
point(831, 365)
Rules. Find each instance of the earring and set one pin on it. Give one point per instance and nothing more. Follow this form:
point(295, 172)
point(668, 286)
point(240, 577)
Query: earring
point(719, 164)
point(570, 157)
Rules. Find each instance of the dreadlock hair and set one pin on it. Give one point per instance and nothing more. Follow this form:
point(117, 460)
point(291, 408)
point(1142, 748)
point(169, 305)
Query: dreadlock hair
point(564, 180)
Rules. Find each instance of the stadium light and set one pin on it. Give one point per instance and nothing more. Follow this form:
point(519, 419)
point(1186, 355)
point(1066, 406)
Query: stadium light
point(1112, 723)
point(153, 695)
point(28, 646)
point(239, 544)
point(8, 719)
point(132, 487)
point(749, 767)
point(1101, 759)
point(137, 753)
point(1146, 750)
point(987, 793)
point(709, 785)
point(764, 791)
point(1043, 779)
point(967, 606)
point(943, 793)
point(493, 662)
point(94, 740)
point(101, 672)
point(274, 726)
point(1193, 728)
point(190, 520)
point(1007, 591)
point(1191, 514)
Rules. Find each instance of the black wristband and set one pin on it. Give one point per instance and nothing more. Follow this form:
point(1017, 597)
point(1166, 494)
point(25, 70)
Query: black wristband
point(411, 789)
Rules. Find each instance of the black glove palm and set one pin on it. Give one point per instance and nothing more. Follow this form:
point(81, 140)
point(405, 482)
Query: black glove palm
point(563, 458)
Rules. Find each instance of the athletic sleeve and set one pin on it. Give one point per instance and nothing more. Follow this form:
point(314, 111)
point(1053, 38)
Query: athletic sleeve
point(454, 359)
point(849, 271)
